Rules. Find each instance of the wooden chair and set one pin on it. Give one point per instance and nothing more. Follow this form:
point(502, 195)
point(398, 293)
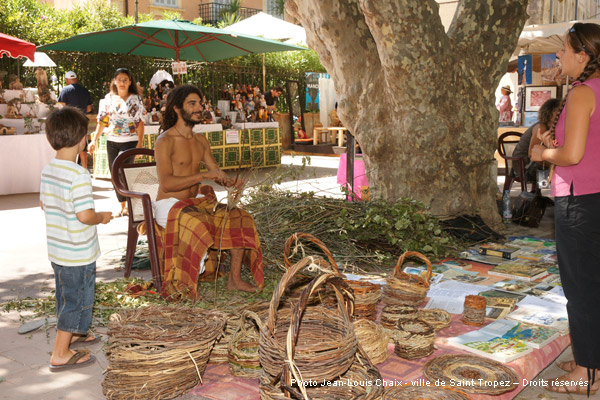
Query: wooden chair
point(138, 182)
point(506, 145)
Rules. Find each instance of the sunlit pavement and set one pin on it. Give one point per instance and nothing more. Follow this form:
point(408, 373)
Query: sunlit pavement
point(25, 272)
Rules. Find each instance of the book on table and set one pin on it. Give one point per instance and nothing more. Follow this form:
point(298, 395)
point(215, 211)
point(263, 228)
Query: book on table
point(543, 312)
point(490, 346)
point(532, 335)
point(524, 270)
point(498, 250)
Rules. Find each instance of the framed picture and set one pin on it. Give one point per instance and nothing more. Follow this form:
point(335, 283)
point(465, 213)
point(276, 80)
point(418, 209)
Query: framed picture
point(535, 96)
point(530, 118)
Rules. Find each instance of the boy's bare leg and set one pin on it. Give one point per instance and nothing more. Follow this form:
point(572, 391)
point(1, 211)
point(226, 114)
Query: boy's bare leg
point(235, 281)
point(62, 353)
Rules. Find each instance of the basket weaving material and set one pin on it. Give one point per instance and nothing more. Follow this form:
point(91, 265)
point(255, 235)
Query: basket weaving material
point(410, 392)
point(372, 339)
point(325, 344)
point(390, 314)
point(243, 347)
point(362, 371)
point(158, 352)
point(366, 297)
point(414, 339)
point(438, 319)
point(407, 289)
point(476, 374)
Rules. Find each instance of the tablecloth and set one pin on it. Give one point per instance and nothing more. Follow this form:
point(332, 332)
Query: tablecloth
point(22, 158)
point(360, 178)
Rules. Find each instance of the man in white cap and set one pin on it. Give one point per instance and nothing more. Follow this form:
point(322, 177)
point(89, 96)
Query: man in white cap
point(76, 95)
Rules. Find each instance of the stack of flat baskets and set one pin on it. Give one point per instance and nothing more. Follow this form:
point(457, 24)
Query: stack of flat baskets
point(301, 348)
point(158, 352)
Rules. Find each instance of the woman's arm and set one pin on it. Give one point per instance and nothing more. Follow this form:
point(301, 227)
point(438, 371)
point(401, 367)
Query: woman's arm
point(580, 106)
point(140, 134)
point(99, 128)
point(535, 137)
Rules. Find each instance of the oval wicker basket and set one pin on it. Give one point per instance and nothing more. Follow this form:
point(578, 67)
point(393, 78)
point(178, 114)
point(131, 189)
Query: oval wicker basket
point(407, 289)
point(390, 314)
point(362, 372)
point(366, 298)
point(158, 351)
point(243, 347)
point(325, 342)
point(414, 339)
point(438, 319)
point(373, 340)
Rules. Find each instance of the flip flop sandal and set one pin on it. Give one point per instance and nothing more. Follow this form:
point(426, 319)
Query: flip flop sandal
point(72, 363)
point(82, 342)
point(36, 324)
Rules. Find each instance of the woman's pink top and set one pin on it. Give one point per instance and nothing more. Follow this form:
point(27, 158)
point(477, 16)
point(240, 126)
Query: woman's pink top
point(585, 176)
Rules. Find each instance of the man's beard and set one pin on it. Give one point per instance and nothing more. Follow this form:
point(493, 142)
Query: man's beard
point(187, 118)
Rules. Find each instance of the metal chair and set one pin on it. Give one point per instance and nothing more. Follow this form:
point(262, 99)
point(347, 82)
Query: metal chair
point(506, 145)
point(138, 182)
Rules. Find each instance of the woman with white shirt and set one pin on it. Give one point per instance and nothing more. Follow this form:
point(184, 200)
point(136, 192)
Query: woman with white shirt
point(120, 116)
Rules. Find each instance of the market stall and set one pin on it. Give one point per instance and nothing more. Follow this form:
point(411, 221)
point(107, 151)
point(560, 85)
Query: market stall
point(257, 146)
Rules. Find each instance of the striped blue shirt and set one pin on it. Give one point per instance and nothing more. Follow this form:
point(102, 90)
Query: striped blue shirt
point(66, 189)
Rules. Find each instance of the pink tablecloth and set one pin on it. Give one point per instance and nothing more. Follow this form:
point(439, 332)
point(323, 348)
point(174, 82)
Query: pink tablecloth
point(220, 384)
point(360, 178)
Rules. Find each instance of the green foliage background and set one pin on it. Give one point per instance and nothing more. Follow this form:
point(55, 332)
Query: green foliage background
point(41, 24)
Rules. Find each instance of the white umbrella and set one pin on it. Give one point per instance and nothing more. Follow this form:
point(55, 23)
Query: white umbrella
point(543, 39)
point(41, 60)
point(160, 76)
point(269, 27)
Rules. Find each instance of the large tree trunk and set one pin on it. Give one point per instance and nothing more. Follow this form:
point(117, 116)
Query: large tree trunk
point(419, 101)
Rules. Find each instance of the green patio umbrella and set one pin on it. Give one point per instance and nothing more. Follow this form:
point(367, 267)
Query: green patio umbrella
point(170, 39)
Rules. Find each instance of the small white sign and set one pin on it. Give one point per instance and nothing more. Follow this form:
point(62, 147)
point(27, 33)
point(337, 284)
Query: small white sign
point(179, 68)
point(232, 137)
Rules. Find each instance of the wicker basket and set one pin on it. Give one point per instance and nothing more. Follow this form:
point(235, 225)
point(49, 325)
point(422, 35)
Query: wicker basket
point(407, 289)
point(325, 342)
point(295, 238)
point(390, 314)
point(369, 385)
point(219, 353)
point(373, 340)
point(243, 347)
point(366, 298)
point(158, 352)
point(438, 319)
point(414, 339)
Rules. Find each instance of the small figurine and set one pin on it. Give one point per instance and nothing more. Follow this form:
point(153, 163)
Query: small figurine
point(41, 78)
point(154, 117)
point(217, 112)
point(16, 84)
point(226, 122)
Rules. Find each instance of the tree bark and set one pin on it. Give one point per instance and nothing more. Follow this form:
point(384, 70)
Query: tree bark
point(419, 101)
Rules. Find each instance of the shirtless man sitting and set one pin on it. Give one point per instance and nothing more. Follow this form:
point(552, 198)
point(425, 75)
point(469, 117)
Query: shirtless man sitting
point(179, 155)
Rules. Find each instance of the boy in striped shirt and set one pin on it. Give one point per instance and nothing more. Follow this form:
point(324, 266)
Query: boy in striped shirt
point(66, 198)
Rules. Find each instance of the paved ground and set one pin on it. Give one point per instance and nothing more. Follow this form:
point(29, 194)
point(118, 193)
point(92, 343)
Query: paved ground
point(25, 272)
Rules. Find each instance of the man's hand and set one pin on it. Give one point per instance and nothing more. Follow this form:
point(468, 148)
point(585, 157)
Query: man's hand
point(237, 182)
point(216, 175)
point(91, 147)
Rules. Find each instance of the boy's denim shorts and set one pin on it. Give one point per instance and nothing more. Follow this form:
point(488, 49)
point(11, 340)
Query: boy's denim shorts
point(75, 289)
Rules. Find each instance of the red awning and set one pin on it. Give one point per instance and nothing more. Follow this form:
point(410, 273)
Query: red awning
point(15, 48)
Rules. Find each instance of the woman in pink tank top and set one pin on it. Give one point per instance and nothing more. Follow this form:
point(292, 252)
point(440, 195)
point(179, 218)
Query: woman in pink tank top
point(575, 152)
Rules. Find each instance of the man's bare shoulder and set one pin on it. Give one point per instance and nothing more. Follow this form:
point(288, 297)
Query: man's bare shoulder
point(165, 137)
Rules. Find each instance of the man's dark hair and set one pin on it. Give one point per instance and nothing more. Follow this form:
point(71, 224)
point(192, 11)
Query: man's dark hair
point(278, 89)
point(66, 127)
point(176, 98)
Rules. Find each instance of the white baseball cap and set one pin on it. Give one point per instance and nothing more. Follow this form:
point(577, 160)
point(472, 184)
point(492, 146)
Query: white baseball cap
point(70, 75)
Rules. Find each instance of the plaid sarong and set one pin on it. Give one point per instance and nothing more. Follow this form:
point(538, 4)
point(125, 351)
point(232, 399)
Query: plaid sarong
point(192, 229)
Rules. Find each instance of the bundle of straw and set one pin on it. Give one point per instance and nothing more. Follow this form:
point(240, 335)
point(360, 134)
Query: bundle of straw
point(159, 352)
point(372, 339)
